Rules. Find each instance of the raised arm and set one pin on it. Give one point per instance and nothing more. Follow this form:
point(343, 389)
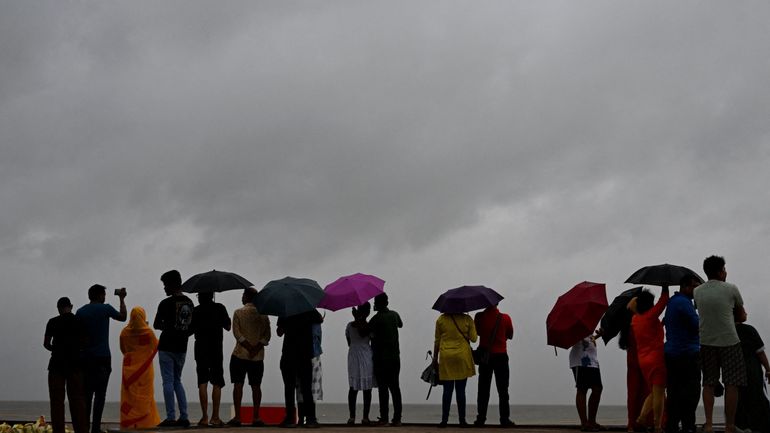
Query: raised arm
point(657, 310)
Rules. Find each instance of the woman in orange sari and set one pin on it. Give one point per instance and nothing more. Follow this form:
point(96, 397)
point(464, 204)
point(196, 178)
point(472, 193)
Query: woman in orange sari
point(137, 398)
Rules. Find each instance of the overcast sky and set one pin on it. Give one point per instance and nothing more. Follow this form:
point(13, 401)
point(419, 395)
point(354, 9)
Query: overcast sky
point(526, 146)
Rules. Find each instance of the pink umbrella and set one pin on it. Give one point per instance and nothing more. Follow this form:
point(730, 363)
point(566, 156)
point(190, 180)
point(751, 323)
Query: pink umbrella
point(351, 291)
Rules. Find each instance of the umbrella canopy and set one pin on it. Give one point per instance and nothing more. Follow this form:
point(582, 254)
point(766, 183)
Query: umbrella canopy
point(288, 297)
point(215, 281)
point(661, 275)
point(466, 298)
point(351, 291)
point(576, 314)
point(617, 315)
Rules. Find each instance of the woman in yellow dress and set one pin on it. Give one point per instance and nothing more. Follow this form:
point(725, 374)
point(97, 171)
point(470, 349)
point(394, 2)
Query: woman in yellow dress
point(454, 332)
point(137, 397)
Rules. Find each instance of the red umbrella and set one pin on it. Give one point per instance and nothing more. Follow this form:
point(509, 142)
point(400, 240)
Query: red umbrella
point(576, 314)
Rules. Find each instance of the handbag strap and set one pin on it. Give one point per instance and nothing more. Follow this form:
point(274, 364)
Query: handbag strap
point(459, 330)
point(494, 330)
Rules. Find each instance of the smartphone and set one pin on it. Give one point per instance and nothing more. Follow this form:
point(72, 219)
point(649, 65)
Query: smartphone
point(119, 292)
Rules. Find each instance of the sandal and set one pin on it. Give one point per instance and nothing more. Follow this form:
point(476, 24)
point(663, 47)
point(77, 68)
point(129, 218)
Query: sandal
point(216, 422)
point(204, 422)
point(235, 422)
point(351, 421)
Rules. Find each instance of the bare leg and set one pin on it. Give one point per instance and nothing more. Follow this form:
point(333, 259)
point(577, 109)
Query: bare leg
point(216, 397)
point(658, 395)
point(237, 397)
point(731, 405)
point(593, 404)
point(646, 408)
point(256, 396)
point(580, 404)
point(204, 399)
point(708, 408)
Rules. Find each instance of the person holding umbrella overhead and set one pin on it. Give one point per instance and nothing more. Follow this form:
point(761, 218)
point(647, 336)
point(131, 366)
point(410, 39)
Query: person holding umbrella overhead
point(454, 332)
point(648, 331)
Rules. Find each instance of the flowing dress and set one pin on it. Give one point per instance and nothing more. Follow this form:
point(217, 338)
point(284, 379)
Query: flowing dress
point(137, 397)
point(360, 363)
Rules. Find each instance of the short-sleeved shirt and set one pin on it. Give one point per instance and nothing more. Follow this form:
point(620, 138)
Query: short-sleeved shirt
point(584, 354)
point(173, 319)
point(208, 323)
point(67, 337)
point(715, 301)
point(96, 321)
point(485, 325)
point(250, 326)
point(298, 334)
point(384, 328)
point(681, 322)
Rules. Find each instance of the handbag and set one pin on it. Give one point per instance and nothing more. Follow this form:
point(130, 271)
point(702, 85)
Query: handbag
point(481, 354)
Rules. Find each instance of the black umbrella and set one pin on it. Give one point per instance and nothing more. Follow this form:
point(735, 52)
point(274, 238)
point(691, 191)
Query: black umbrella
point(661, 275)
point(617, 315)
point(288, 297)
point(215, 281)
point(466, 298)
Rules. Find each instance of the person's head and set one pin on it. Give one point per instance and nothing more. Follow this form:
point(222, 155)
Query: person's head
point(380, 301)
point(172, 281)
point(64, 305)
point(137, 318)
point(248, 295)
point(644, 301)
point(97, 294)
point(687, 285)
point(714, 267)
point(740, 315)
point(362, 311)
point(205, 297)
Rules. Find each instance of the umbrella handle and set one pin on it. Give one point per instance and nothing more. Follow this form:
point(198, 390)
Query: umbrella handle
point(555, 353)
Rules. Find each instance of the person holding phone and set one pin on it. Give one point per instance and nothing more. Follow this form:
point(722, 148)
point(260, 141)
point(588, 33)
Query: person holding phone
point(97, 361)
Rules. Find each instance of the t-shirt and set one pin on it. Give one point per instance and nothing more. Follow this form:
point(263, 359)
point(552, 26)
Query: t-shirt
point(384, 328)
point(485, 325)
point(715, 301)
point(681, 322)
point(67, 337)
point(584, 354)
point(208, 322)
point(173, 319)
point(298, 334)
point(96, 321)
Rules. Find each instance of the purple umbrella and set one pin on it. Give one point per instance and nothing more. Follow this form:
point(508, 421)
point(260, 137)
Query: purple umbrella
point(351, 291)
point(466, 298)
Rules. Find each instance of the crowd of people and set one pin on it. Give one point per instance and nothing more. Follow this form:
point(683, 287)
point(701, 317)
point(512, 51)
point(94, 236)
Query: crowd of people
point(708, 342)
point(702, 338)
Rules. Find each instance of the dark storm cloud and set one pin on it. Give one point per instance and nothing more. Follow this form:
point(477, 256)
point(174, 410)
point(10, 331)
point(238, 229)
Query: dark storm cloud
point(295, 135)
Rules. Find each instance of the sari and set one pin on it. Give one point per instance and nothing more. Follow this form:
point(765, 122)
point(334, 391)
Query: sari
point(137, 397)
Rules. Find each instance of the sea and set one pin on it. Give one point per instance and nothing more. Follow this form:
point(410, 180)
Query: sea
point(335, 413)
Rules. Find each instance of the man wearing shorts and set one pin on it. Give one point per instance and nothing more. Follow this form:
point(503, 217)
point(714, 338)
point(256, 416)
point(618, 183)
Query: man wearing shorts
point(209, 319)
point(716, 302)
point(252, 333)
point(584, 362)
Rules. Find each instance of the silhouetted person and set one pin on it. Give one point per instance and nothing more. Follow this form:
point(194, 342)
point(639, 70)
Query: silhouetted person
point(296, 363)
point(720, 348)
point(387, 357)
point(173, 320)
point(64, 337)
point(97, 360)
point(584, 363)
point(682, 350)
point(494, 329)
point(753, 411)
point(360, 363)
point(252, 333)
point(208, 321)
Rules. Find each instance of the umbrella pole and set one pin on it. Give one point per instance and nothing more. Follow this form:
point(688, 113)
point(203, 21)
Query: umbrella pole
point(555, 353)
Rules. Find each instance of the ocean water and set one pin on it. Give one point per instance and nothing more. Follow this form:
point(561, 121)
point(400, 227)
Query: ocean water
point(330, 413)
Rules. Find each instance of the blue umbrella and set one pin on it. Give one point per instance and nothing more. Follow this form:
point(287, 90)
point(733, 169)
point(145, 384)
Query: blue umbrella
point(288, 297)
point(466, 298)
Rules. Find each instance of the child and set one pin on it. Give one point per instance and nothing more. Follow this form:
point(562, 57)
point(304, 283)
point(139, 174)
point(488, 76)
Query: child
point(584, 363)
